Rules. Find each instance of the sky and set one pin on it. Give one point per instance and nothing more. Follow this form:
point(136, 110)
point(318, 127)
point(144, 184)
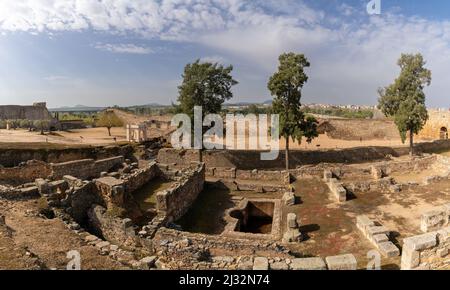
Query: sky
point(132, 52)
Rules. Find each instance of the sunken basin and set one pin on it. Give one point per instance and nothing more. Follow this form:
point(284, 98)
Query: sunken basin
point(254, 218)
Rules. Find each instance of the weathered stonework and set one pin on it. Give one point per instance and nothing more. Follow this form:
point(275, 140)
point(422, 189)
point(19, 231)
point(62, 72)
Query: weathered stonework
point(435, 219)
point(428, 251)
point(85, 169)
point(175, 201)
point(378, 235)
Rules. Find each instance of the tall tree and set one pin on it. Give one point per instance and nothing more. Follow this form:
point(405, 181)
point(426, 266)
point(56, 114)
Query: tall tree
point(109, 119)
point(404, 100)
point(207, 85)
point(286, 87)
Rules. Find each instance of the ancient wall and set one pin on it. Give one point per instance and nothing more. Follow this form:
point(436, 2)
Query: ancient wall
point(24, 173)
point(427, 252)
point(437, 127)
point(85, 169)
point(12, 156)
point(249, 160)
point(13, 112)
point(176, 201)
point(116, 230)
point(356, 129)
point(140, 178)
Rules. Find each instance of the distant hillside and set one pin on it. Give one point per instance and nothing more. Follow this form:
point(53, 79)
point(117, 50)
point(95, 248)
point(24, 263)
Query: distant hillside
point(77, 108)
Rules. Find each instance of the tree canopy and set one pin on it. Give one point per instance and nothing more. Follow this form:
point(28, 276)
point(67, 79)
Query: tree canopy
point(207, 85)
point(286, 87)
point(404, 100)
point(109, 120)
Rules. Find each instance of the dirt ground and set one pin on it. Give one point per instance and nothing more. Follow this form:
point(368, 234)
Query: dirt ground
point(99, 136)
point(329, 227)
point(32, 242)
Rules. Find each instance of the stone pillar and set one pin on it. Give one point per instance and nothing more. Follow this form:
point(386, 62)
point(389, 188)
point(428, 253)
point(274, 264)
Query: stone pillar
point(128, 133)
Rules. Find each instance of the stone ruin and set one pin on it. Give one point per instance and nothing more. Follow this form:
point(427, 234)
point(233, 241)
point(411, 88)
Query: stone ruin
point(99, 199)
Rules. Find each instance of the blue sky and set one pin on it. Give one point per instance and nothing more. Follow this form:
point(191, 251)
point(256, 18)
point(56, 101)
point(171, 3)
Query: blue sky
point(108, 52)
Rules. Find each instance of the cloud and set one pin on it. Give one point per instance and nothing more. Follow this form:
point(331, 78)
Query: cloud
point(123, 48)
point(352, 53)
point(214, 59)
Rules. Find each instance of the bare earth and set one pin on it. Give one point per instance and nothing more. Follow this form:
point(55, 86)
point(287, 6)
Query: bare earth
point(99, 136)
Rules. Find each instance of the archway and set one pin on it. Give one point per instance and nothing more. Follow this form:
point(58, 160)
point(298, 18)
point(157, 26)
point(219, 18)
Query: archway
point(443, 135)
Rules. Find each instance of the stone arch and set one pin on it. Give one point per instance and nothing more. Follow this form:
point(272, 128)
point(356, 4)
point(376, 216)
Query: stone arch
point(443, 133)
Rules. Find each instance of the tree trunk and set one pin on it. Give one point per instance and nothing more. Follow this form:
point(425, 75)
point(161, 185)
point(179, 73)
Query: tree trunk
point(287, 153)
point(411, 143)
point(109, 131)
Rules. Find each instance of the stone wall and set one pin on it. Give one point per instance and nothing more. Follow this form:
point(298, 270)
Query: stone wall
point(175, 201)
point(435, 219)
point(14, 112)
point(13, 156)
point(436, 122)
point(85, 169)
point(427, 252)
point(24, 173)
point(141, 177)
point(249, 160)
point(114, 229)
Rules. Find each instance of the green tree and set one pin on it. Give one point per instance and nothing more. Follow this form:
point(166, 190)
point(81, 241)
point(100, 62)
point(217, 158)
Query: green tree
point(109, 119)
point(207, 85)
point(286, 87)
point(404, 100)
point(42, 125)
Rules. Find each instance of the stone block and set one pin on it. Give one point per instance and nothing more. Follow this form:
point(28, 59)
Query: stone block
point(289, 199)
point(442, 253)
point(410, 259)
point(342, 262)
point(376, 230)
point(388, 249)
point(308, 264)
point(147, 262)
point(279, 266)
point(292, 236)
point(421, 242)
point(377, 173)
point(292, 221)
point(327, 175)
point(363, 222)
point(378, 239)
point(261, 264)
point(42, 186)
point(433, 220)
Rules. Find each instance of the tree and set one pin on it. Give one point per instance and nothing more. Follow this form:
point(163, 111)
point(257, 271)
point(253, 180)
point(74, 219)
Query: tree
point(109, 120)
point(207, 85)
point(404, 100)
point(286, 87)
point(26, 124)
point(42, 125)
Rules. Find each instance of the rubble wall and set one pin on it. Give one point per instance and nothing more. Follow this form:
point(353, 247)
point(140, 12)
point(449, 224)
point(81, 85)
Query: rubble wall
point(249, 160)
point(24, 173)
point(176, 201)
point(85, 169)
point(427, 252)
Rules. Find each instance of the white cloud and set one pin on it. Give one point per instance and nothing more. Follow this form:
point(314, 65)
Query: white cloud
point(123, 48)
point(350, 56)
point(214, 59)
